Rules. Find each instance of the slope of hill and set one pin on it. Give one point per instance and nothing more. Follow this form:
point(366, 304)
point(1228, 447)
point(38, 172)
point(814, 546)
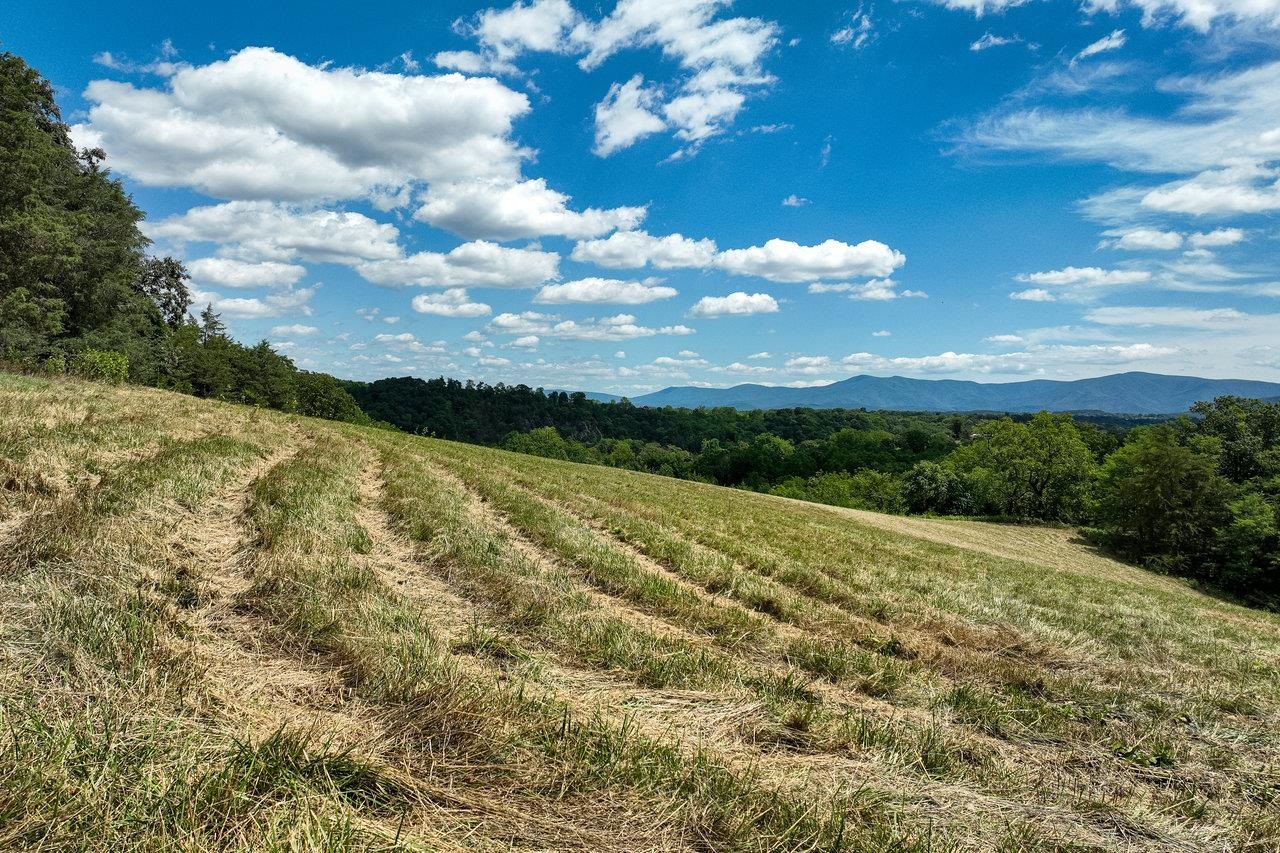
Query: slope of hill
point(1121, 393)
point(227, 628)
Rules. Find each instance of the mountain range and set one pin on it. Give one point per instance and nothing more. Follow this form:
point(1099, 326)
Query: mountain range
point(1120, 393)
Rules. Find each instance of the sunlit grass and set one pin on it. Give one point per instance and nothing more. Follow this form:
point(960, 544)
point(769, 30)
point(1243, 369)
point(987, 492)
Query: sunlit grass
point(224, 628)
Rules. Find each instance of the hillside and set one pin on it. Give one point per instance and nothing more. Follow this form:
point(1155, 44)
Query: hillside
point(230, 628)
point(1121, 393)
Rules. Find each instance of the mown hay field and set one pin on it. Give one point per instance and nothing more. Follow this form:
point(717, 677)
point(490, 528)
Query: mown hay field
point(225, 628)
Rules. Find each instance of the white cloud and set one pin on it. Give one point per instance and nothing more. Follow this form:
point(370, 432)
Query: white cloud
point(476, 264)
point(258, 231)
point(1114, 41)
point(1199, 14)
point(758, 356)
point(989, 40)
point(526, 342)
point(883, 333)
point(794, 200)
point(1217, 237)
point(1034, 359)
point(808, 364)
point(636, 249)
point(734, 304)
point(264, 125)
point(1086, 277)
point(1189, 318)
point(616, 328)
point(786, 261)
point(1138, 239)
point(296, 330)
point(627, 114)
point(470, 62)
point(276, 304)
point(604, 290)
point(857, 33)
point(777, 260)
point(1004, 339)
point(720, 61)
point(1033, 294)
point(229, 272)
point(540, 25)
point(453, 302)
point(1241, 189)
point(1222, 142)
point(503, 210)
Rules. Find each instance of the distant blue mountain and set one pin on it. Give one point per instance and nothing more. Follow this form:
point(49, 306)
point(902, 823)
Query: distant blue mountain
point(1120, 393)
point(598, 396)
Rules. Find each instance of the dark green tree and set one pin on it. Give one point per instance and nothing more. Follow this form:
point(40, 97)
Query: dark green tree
point(1162, 501)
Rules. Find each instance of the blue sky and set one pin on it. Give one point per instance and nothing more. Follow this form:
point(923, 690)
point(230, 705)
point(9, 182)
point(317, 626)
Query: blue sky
point(621, 196)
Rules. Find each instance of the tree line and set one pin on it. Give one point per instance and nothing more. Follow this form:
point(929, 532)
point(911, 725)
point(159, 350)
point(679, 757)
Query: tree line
point(79, 292)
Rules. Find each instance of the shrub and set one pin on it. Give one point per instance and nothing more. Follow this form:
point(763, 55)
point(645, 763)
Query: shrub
point(102, 365)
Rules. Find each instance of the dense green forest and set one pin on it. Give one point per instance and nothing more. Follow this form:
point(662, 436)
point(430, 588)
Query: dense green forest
point(79, 293)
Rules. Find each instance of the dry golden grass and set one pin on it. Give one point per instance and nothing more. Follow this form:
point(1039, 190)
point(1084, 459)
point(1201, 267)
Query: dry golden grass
point(229, 629)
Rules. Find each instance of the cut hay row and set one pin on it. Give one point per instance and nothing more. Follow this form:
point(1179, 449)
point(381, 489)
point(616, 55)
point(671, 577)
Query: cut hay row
point(228, 629)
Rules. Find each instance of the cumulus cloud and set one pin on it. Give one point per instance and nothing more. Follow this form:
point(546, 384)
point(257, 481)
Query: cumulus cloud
point(786, 261)
point(295, 330)
point(777, 260)
point(278, 303)
point(1217, 237)
point(637, 249)
point(720, 61)
point(264, 125)
point(476, 264)
point(257, 231)
point(1086, 277)
point(1033, 294)
point(734, 304)
point(794, 200)
point(616, 328)
point(1031, 360)
point(628, 113)
point(876, 290)
point(604, 290)
point(228, 272)
point(502, 210)
point(1248, 188)
point(453, 302)
point(1138, 239)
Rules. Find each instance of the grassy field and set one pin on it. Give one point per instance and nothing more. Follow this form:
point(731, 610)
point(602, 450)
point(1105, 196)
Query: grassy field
point(224, 628)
